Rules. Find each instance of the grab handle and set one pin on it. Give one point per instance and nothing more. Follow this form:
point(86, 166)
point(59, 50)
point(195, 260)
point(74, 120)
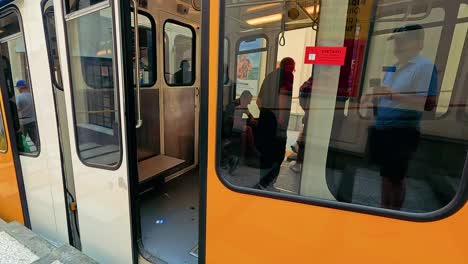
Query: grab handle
point(137, 63)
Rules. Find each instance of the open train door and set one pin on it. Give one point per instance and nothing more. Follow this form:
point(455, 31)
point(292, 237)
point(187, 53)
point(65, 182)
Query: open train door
point(90, 44)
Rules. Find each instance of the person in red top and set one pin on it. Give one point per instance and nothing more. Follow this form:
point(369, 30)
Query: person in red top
point(274, 101)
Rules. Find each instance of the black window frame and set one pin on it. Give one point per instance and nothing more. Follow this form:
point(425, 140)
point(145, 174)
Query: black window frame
point(155, 49)
point(237, 53)
point(3, 13)
point(194, 52)
point(116, 87)
point(451, 208)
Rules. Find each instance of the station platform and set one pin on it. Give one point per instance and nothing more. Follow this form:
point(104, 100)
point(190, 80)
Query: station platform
point(19, 245)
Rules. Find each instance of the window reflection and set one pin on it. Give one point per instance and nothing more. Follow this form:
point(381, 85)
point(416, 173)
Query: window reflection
point(90, 38)
point(383, 130)
point(49, 23)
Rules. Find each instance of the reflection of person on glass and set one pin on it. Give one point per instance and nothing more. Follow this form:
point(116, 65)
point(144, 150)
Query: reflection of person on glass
point(274, 101)
point(181, 76)
point(304, 101)
point(25, 105)
point(409, 87)
point(242, 128)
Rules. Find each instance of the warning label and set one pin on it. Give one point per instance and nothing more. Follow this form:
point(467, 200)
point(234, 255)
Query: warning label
point(325, 55)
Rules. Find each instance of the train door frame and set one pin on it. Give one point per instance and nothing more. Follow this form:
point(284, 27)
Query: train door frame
point(11, 147)
point(38, 171)
point(202, 129)
point(71, 214)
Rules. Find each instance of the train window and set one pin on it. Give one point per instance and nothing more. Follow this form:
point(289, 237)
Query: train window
point(75, 5)
point(147, 34)
point(16, 74)
point(179, 54)
point(3, 139)
point(366, 132)
point(252, 55)
point(51, 40)
point(95, 102)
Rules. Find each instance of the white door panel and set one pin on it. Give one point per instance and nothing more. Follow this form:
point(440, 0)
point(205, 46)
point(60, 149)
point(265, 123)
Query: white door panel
point(43, 174)
point(101, 194)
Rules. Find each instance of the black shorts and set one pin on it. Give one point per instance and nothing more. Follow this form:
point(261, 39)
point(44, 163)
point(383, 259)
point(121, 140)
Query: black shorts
point(393, 149)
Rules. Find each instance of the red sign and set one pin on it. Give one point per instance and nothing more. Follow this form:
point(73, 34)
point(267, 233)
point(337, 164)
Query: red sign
point(325, 55)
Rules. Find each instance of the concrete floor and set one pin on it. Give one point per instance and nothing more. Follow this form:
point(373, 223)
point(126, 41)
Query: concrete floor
point(19, 245)
point(13, 252)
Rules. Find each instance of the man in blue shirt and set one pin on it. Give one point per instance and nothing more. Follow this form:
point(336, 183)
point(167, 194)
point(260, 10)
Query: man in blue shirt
point(25, 107)
point(409, 88)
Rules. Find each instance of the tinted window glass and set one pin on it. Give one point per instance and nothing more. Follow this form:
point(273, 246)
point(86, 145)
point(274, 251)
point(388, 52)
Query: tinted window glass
point(361, 106)
point(179, 59)
point(75, 5)
point(51, 39)
point(147, 50)
point(16, 74)
point(96, 110)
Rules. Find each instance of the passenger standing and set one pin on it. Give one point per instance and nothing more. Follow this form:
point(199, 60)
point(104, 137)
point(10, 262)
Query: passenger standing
point(25, 106)
point(305, 92)
point(274, 101)
point(409, 88)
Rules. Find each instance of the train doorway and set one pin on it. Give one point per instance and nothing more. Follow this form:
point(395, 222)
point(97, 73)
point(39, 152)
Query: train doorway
point(166, 133)
point(133, 75)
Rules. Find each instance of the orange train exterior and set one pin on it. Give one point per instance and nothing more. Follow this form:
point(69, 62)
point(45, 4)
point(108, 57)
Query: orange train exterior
point(10, 201)
point(265, 230)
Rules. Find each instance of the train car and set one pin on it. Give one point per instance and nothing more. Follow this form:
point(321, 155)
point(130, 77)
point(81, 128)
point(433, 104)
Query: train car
point(233, 131)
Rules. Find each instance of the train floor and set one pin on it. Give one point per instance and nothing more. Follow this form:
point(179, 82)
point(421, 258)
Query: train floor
point(169, 220)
